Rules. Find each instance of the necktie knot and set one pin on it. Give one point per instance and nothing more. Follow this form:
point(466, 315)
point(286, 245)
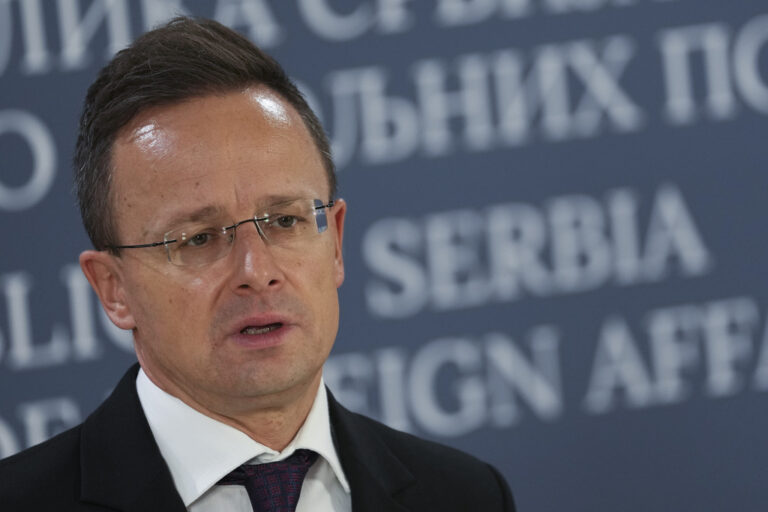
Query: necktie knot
point(274, 486)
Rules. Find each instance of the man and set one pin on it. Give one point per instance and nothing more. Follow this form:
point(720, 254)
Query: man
point(206, 186)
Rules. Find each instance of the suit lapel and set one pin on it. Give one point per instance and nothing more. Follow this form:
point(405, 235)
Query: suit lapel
point(121, 465)
point(378, 480)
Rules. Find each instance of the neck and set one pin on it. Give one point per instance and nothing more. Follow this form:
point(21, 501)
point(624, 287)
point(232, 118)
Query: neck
point(271, 420)
point(274, 425)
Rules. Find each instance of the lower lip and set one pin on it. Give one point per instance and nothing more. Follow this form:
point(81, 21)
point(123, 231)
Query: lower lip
point(261, 341)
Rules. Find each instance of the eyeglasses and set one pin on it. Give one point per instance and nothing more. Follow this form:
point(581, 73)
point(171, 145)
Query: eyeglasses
point(286, 224)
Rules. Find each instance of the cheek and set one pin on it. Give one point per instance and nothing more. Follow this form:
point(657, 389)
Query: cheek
point(326, 295)
point(165, 304)
point(191, 303)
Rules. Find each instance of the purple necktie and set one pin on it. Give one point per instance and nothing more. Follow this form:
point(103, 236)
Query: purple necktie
point(274, 486)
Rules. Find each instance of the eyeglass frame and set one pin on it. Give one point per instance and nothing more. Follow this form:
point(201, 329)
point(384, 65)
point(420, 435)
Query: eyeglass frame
point(317, 205)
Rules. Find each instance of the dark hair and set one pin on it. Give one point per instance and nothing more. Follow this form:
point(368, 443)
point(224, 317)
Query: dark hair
point(185, 58)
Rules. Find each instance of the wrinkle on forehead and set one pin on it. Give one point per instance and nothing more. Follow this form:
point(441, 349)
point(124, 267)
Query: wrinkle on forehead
point(271, 106)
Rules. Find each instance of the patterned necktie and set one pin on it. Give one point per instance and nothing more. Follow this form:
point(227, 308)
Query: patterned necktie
point(274, 486)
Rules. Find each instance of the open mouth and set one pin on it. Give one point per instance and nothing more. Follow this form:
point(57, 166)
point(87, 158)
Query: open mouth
point(261, 329)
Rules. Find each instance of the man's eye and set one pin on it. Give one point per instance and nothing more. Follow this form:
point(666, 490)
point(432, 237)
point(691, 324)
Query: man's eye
point(199, 239)
point(286, 221)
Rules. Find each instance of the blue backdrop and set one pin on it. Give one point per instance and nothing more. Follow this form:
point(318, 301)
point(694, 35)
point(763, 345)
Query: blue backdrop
point(555, 245)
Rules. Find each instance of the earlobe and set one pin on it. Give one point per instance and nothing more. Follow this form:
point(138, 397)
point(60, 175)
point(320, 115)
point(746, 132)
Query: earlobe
point(102, 272)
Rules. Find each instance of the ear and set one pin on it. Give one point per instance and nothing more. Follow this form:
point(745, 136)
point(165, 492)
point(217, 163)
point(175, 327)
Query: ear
point(103, 272)
point(340, 211)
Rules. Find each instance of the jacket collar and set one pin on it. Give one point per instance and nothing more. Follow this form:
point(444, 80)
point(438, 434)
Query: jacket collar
point(121, 465)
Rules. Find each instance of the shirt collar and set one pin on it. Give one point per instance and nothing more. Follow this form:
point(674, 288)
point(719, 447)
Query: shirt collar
point(199, 450)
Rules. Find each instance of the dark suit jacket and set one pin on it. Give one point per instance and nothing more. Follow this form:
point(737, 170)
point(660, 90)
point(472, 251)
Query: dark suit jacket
point(111, 462)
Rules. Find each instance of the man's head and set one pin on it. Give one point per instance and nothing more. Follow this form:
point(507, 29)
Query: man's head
point(184, 59)
point(256, 323)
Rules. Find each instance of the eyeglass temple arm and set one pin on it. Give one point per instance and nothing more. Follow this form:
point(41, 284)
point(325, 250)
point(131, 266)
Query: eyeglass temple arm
point(141, 246)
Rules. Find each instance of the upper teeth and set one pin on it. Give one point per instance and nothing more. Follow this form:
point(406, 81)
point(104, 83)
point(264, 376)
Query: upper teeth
point(259, 330)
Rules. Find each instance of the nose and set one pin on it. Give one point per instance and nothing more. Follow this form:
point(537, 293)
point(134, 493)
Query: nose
point(254, 264)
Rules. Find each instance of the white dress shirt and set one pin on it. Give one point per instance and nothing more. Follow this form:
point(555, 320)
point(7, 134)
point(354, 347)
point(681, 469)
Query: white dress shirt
point(199, 451)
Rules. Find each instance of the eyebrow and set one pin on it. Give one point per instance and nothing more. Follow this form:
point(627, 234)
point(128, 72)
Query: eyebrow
point(202, 213)
point(272, 200)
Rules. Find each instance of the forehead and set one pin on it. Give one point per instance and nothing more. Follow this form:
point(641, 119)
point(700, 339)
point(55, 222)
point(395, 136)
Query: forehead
point(231, 152)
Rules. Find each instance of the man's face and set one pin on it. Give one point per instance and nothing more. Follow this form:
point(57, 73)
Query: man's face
point(221, 159)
